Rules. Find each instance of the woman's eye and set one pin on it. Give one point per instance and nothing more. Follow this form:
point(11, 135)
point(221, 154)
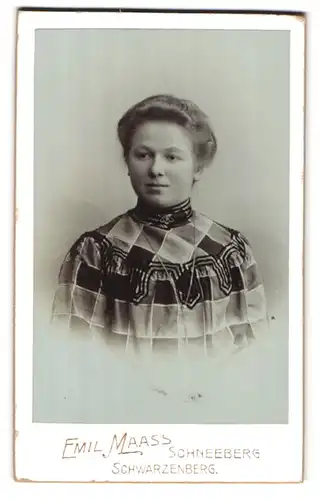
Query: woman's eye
point(142, 155)
point(172, 157)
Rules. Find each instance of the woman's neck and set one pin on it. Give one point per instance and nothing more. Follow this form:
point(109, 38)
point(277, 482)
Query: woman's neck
point(163, 216)
point(159, 209)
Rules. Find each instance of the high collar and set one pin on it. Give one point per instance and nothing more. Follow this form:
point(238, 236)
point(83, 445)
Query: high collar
point(165, 218)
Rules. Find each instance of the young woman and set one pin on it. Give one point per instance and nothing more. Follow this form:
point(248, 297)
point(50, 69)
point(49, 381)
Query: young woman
point(162, 278)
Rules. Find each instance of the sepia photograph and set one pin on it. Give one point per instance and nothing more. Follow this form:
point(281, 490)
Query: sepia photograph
point(156, 228)
point(161, 222)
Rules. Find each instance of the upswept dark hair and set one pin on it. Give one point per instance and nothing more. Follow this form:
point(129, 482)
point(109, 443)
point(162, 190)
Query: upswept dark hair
point(165, 107)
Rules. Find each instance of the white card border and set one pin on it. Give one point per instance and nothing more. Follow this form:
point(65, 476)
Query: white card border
point(26, 431)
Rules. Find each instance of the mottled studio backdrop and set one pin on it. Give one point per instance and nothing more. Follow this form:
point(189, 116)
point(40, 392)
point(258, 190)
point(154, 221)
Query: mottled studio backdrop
point(84, 81)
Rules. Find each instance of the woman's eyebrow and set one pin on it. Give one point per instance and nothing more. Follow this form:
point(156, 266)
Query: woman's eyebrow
point(142, 146)
point(173, 149)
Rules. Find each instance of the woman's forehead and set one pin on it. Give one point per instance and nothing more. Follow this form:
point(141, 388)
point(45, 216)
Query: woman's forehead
point(162, 135)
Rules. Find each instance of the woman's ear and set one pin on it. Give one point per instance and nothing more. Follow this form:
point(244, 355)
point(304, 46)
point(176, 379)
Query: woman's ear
point(198, 173)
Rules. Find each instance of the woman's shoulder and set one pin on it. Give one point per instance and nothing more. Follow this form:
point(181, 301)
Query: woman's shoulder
point(222, 241)
point(105, 235)
point(217, 231)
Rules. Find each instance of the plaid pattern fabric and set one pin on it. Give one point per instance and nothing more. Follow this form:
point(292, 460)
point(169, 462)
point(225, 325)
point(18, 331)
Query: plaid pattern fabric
point(113, 278)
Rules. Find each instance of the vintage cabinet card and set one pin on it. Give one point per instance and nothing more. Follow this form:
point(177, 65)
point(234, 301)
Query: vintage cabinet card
point(159, 238)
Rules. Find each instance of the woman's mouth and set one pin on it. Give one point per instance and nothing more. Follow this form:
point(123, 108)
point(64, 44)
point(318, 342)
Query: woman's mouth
point(154, 185)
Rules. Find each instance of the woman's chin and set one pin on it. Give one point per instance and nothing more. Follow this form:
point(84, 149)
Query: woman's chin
point(157, 200)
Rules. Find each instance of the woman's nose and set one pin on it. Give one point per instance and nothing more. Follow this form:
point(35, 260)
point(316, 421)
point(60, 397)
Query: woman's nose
point(157, 167)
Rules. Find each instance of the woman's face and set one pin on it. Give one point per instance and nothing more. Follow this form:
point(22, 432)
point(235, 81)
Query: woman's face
point(161, 164)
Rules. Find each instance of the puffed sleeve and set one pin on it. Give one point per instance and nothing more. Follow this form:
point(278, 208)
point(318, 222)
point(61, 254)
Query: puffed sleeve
point(79, 299)
point(248, 300)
